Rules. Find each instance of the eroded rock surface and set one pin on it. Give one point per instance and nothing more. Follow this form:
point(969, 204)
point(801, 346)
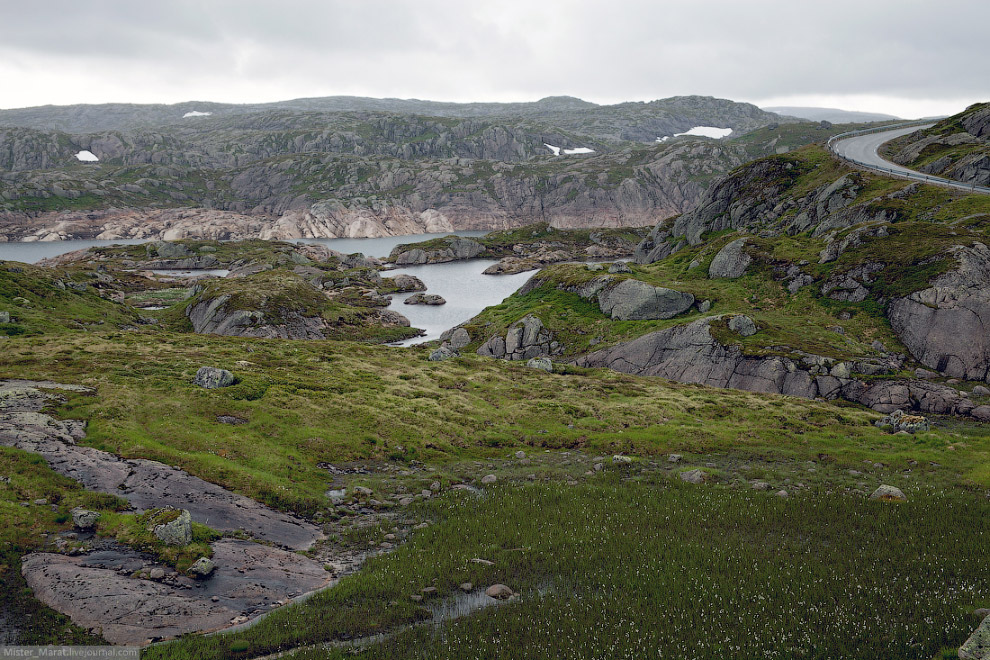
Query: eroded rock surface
point(946, 325)
point(145, 484)
point(525, 339)
point(97, 591)
point(689, 354)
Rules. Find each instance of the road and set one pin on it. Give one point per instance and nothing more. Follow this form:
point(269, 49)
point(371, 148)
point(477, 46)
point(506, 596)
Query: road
point(862, 150)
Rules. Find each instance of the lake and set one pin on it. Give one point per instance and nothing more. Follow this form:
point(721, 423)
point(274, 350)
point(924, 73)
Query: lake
point(464, 287)
point(461, 283)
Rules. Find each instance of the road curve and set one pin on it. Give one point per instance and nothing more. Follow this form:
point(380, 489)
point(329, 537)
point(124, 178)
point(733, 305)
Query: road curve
point(862, 150)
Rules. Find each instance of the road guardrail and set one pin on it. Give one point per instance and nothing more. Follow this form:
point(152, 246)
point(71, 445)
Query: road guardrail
point(911, 175)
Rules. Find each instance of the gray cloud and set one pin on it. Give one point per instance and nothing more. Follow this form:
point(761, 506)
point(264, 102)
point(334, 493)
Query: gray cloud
point(64, 52)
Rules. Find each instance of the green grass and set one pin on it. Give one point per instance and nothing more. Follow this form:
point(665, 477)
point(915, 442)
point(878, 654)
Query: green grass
point(137, 531)
point(21, 532)
point(620, 568)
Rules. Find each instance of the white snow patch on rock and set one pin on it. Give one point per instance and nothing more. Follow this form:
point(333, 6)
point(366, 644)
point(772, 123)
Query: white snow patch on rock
point(577, 150)
point(196, 113)
point(707, 131)
point(87, 157)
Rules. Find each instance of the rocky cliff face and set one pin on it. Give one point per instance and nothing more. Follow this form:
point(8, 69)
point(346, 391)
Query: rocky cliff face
point(364, 197)
point(689, 354)
point(945, 325)
point(371, 172)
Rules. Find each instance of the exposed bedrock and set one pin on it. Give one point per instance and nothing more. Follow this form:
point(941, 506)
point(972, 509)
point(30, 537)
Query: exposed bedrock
point(145, 484)
point(689, 354)
point(946, 325)
point(97, 590)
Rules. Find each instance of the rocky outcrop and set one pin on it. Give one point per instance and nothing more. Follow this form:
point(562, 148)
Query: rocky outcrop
point(212, 378)
point(634, 300)
point(144, 484)
point(756, 199)
point(455, 249)
point(956, 148)
point(97, 591)
point(946, 325)
point(424, 299)
point(897, 421)
point(214, 316)
point(525, 339)
point(731, 261)
point(689, 354)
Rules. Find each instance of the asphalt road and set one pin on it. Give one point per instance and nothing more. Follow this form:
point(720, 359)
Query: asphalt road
point(863, 150)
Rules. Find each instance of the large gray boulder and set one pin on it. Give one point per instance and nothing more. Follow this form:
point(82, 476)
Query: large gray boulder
point(411, 258)
point(456, 338)
point(425, 299)
point(176, 532)
point(166, 250)
point(742, 325)
point(405, 283)
point(731, 261)
point(84, 519)
point(212, 378)
point(634, 300)
point(944, 326)
point(525, 339)
point(977, 647)
point(886, 493)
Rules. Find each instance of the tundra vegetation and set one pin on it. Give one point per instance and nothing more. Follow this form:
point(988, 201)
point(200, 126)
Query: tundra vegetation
point(632, 516)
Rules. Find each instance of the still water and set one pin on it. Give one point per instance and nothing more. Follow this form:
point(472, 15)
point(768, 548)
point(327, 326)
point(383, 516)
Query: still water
point(461, 283)
point(30, 253)
point(466, 290)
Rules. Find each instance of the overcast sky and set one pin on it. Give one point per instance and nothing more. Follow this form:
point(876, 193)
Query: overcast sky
point(904, 57)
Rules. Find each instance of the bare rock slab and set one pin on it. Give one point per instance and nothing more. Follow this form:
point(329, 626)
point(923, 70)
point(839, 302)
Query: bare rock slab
point(96, 590)
point(145, 484)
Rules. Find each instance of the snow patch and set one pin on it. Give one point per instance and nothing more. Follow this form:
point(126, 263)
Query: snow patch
point(707, 131)
point(196, 113)
point(663, 138)
point(87, 157)
point(577, 150)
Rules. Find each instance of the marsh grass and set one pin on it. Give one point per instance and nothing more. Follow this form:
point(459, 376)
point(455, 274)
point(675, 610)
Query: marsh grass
point(634, 569)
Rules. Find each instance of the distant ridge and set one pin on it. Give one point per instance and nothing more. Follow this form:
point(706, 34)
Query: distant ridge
point(834, 115)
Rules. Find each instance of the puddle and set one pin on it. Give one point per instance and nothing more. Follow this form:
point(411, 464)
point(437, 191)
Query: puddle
point(460, 605)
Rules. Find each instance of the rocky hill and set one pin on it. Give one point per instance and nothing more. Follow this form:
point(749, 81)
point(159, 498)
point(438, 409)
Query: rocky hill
point(360, 168)
point(795, 274)
point(955, 148)
point(83, 119)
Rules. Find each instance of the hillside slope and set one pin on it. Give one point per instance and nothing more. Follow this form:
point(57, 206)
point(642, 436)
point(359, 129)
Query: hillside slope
point(955, 148)
point(804, 277)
